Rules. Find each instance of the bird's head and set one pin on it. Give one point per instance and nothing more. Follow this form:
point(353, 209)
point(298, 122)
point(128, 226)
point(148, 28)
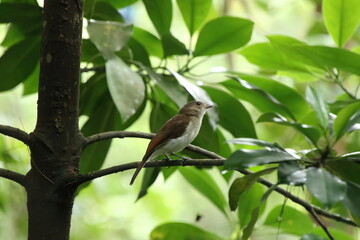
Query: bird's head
point(194, 108)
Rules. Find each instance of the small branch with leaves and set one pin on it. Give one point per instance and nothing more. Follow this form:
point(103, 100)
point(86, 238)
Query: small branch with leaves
point(214, 160)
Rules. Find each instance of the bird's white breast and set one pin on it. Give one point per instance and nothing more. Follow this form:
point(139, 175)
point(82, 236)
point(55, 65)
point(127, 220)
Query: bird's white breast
point(178, 144)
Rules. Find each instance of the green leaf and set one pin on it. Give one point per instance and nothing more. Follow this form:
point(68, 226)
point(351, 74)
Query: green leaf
point(319, 105)
point(172, 46)
point(149, 177)
point(18, 62)
point(318, 57)
point(160, 13)
point(91, 92)
point(31, 84)
point(94, 155)
point(20, 30)
point(243, 184)
point(120, 4)
point(248, 201)
point(222, 35)
point(160, 113)
point(170, 87)
point(181, 231)
point(262, 100)
point(244, 158)
point(109, 37)
point(288, 219)
point(341, 18)
point(310, 132)
point(126, 87)
point(105, 12)
point(347, 120)
point(255, 214)
point(287, 96)
point(206, 185)
point(198, 94)
point(139, 52)
point(194, 12)
point(266, 56)
point(351, 200)
point(151, 43)
point(254, 142)
point(327, 188)
point(17, 12)
point(239, 122)
point(345, 169)
point(291, 173)
point(311, 236)
point(337, 234)
point(89, 7)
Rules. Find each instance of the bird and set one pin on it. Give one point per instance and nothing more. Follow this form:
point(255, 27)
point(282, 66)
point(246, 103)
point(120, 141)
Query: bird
point(176, 134)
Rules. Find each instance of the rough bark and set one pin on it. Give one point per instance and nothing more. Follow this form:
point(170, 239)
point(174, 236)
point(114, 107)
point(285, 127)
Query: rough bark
point(56, 142)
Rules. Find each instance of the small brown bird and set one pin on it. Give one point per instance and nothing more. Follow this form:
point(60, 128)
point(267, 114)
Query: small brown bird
point(177, 133)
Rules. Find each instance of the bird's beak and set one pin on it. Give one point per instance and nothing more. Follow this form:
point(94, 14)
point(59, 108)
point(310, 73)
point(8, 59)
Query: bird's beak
point(208, 106)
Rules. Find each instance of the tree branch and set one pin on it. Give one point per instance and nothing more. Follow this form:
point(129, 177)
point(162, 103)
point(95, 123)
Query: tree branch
point(322, 225)
point(15, 133)
point(14, 176)
point(120, 168)
point(216, 160)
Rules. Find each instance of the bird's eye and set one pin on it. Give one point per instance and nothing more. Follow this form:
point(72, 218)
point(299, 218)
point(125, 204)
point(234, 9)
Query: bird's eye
point(198, 103)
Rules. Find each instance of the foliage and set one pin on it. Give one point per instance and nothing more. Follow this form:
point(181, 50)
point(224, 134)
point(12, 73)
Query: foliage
point(127, 68)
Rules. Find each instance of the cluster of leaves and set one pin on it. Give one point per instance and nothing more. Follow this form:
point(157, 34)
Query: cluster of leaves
point(131, 67)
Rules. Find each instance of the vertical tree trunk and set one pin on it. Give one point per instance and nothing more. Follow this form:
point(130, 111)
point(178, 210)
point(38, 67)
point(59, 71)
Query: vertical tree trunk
point(56, 142)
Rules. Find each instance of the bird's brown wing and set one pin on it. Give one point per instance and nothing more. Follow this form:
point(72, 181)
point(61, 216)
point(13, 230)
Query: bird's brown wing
point(173, 128)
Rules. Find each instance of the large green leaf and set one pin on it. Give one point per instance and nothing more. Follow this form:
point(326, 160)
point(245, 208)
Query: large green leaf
point(31, 83)
point(327, 188)
point(347, 120)
point(103, 11)
point(287, 96)
point(151, 43)
point(310, 132)
point(319, 105)
point(172, 46)
point(198, 94)
point(160, 13)
point(341, 18)
point(244, 158)
point(254, 142)
point(318, 57)
point(261, 99)
point(222, 35)
point(119, 4)
point(20, 30)
point(94, 155)
point(255, 214)
point(206, 185)
point(194, 12)
point(149, 177)
point(351, 200)
point(266, 56)
point(160, 113)
point(248, 201)
point(288, 219)
point(233, 116)
point(345, 169)
point(18, 62)
point(181, 231)
point(16, 12)
point(139, 52)
point(291, 173)
point(241, 185)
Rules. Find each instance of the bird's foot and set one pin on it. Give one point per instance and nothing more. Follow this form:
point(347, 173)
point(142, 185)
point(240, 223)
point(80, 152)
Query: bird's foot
point(166, 159)
point(182, 158)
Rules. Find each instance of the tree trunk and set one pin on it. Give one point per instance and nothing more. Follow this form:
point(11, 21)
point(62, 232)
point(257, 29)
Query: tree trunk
point(56, 142)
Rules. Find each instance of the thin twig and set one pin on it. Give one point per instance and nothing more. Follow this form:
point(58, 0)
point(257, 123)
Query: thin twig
point(15, 133)
point(322, 225)
point(218, 159)
point(14, 176)
point(92, 69)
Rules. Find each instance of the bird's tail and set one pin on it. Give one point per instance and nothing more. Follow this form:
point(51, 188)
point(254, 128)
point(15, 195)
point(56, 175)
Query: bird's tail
point(140, 166)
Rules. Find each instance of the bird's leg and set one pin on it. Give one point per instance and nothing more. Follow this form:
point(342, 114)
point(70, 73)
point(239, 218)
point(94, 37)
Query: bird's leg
point(166, 159)
point(182, 157)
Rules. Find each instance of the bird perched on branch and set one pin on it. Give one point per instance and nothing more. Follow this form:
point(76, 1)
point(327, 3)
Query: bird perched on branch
point(177, 133)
